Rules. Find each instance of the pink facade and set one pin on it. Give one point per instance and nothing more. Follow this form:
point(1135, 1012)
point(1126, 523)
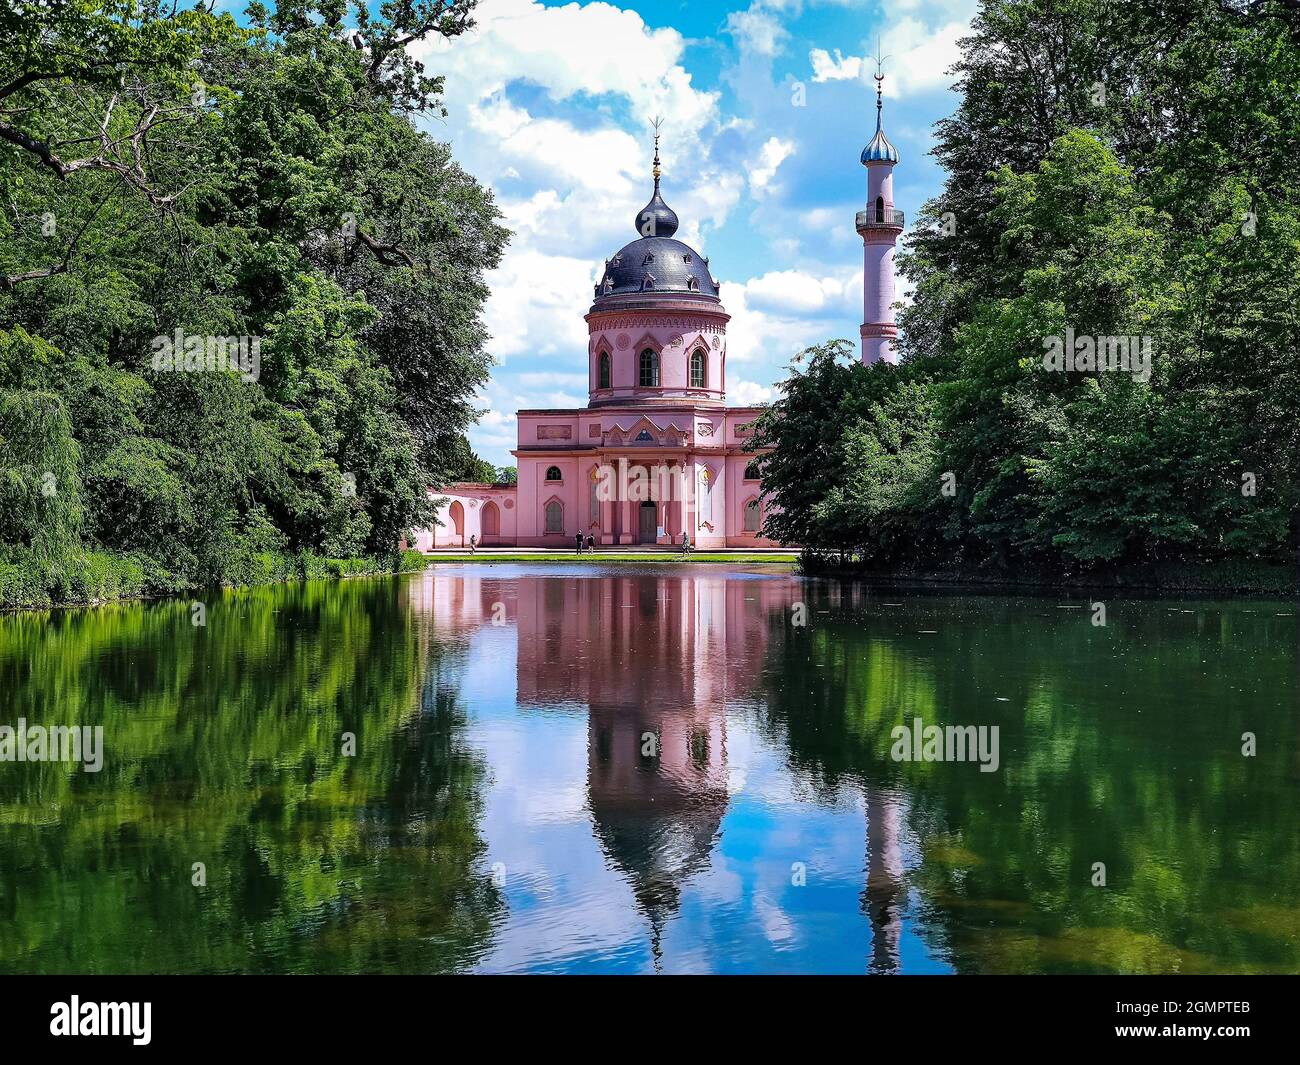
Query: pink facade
point(656, 416)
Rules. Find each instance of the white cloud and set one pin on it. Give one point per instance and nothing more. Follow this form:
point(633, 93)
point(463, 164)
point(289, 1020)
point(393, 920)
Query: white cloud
point(748, 394)
point(792, 293)
point(778, 314)
point(836, 67)
point(922, 56)
point(756, 31)
point(919, 49)
point(773, 153)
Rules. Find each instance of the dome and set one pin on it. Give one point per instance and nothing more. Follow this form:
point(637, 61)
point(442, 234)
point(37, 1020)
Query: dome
point(879, 150)
point(657, 264)
point(656, 218)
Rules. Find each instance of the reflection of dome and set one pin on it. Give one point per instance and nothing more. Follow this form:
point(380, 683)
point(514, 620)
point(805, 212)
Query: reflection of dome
point(659, 845)
point(657, 816)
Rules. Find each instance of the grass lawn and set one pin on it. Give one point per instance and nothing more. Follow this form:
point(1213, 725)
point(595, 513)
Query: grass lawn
point(651, 557)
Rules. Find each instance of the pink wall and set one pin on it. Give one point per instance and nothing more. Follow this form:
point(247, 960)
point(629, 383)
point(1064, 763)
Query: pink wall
point(474, 501)
point(675, 331)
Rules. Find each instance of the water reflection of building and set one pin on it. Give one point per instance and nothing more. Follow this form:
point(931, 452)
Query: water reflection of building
point(655, 659)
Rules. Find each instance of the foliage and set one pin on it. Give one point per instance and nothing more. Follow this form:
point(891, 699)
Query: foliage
point(1114, 171)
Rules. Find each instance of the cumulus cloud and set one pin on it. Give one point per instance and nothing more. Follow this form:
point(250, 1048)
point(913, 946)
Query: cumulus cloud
point(774, 152)
point(835, 67)
point(921, 47)
point(756, 31)
point(748, 394)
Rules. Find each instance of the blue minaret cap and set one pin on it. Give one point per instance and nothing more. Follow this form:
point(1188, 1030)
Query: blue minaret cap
point(879, 150)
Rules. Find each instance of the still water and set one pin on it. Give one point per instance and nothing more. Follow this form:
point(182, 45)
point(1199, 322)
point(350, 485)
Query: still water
point(575, 769)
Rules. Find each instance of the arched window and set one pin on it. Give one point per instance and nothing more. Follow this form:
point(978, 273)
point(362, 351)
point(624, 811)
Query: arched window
point(457, 515)
point(751, 516)
point(698, 368)
point(554, 517)
point(751, 472)
point(880, 208)
point(649, 369)
point(491, 520)
point(553, 473)
point(604, 370)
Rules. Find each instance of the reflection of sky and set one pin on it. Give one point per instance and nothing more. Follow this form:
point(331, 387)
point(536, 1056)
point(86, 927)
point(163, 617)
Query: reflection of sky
point(569, 911)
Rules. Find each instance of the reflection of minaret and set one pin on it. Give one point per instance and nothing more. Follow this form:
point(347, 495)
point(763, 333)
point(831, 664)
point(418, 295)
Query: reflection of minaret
point(885, 892)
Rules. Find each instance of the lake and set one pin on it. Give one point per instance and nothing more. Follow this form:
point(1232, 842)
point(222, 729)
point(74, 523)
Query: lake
point(575, 768)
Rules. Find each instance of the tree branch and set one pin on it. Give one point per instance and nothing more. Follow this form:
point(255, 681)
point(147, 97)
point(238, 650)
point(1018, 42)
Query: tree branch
point(388, 254)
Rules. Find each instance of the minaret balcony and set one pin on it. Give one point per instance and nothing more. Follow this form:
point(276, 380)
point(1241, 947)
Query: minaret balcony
point(878, 219)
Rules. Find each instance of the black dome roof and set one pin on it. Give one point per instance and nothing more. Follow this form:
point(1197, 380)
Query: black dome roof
point(656, 218)
point(657, 264)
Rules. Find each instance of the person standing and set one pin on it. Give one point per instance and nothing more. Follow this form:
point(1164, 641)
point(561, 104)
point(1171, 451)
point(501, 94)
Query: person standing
point(686, 543)
point(578, 543)
point(473, 543)
point(591, 543)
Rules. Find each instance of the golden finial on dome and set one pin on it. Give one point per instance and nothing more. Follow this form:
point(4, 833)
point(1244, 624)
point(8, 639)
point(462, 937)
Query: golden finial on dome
point(656, 122)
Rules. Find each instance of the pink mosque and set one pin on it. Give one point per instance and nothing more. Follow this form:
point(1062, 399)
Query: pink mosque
point(656, 412)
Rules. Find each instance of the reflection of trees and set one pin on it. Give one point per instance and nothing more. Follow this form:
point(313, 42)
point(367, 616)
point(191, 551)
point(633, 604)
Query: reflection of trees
point(1119, 745)
point(223, 746)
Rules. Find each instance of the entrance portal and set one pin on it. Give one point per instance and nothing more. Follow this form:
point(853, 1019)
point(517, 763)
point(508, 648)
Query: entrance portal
point(649, 523)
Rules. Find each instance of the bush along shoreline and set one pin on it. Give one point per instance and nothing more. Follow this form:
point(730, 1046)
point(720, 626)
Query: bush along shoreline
point(1231, 576)
point(92, 578)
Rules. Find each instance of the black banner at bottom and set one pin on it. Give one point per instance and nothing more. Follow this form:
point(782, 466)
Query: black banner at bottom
point(151, 1013)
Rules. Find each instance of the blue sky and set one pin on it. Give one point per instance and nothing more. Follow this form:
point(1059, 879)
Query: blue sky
point(550, 105)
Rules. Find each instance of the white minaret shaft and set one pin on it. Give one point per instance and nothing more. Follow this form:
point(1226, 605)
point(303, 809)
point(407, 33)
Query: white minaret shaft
point(879, 226)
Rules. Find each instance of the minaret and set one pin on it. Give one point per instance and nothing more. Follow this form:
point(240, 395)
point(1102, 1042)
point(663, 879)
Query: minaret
point(879, 225)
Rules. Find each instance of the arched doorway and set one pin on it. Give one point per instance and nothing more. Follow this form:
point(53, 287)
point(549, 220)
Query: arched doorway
point(457, 516)
point(554, 518)
point(491, 522)
point(649, 528)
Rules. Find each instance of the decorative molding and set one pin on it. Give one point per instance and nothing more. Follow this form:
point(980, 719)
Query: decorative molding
point(555, 432)
point(681, 323)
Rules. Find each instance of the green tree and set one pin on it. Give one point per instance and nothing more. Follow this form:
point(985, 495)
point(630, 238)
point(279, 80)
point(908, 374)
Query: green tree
point(324, 227)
